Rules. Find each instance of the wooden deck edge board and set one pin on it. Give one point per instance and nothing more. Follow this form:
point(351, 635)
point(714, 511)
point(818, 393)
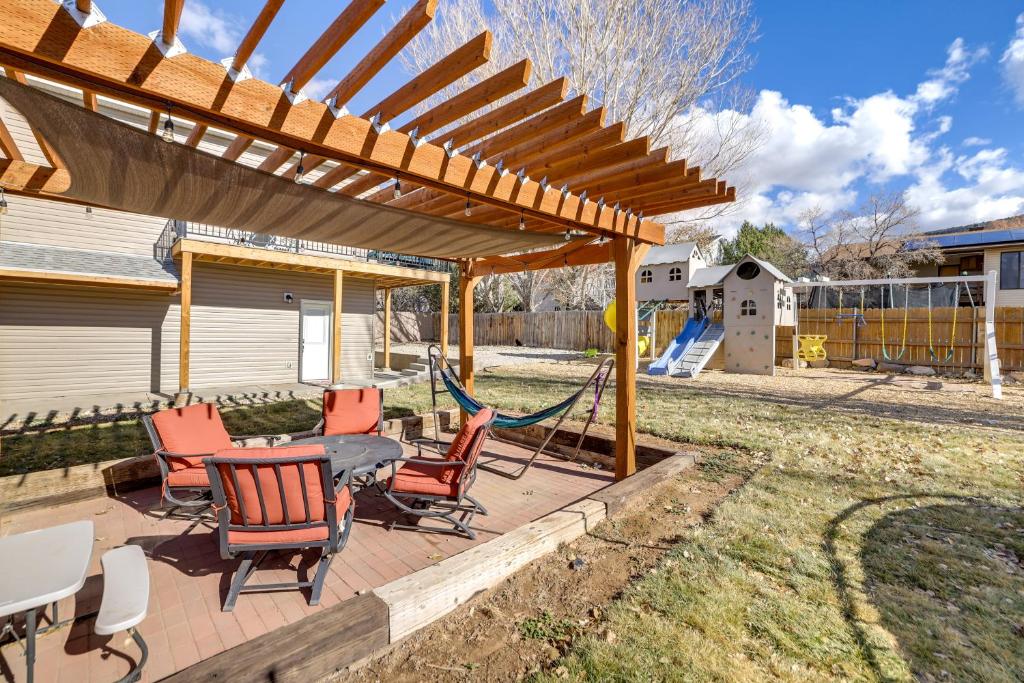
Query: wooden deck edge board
point(622, 493)
point(306, 650)
point(416, 600)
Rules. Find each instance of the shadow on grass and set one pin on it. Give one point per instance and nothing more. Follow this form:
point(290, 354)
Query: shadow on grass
point(947, 580)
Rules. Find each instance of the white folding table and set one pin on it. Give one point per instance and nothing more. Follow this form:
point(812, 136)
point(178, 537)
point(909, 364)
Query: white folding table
point(39, 568)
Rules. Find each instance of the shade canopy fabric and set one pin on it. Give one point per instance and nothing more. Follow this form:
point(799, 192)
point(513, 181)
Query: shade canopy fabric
point(118, 166)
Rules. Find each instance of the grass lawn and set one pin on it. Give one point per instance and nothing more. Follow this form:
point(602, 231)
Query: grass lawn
point(881, 538)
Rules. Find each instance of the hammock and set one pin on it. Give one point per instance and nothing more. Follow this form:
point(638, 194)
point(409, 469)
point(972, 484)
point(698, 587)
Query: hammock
point(440, 367)
point(502, 421)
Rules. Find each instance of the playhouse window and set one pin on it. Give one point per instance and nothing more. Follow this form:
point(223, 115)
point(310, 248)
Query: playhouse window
point(646, 277)
point(748, 307)
point(748, 270)
point(675, 274)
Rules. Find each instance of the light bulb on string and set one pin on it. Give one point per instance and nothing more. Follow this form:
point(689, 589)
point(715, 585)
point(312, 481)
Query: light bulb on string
point(469, 208)
point(300, 171)
point(168, 134)
point(522, 220)
point(398, 188)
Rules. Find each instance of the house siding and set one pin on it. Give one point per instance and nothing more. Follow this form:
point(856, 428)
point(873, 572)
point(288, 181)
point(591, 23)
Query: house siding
point(1004, 297)
point(58, 340)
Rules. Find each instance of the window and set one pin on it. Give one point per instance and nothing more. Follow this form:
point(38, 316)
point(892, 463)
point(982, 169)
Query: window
point(780, 301)
point(646, 276)
point(748, 270)
point(1011, 275)
point(748, 307)
point(675, 274)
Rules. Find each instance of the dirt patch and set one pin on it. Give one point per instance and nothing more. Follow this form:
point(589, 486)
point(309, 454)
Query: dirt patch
point(525, 624)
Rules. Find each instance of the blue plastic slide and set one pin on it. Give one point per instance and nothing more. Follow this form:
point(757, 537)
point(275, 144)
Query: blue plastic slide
point(673, 355)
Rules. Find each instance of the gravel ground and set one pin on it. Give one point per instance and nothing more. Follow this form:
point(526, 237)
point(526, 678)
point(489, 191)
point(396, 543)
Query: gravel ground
point(493, 356)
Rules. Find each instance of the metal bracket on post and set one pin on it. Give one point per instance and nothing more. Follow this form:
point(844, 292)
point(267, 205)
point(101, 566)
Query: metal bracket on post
point(236, 76)
point(295, 97)
point(378, 125)
point(414, 137)
point(85, 20)
point(168, 51)
point(449, 149)
point(336, 111)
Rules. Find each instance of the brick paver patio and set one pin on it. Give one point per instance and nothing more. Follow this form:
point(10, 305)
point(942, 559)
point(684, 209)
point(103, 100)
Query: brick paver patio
point(189, 580)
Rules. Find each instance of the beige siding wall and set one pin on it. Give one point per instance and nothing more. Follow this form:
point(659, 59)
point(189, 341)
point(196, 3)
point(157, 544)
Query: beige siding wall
point(244, 332)
point(1004, 297)
point(39, 221)
point(70, 341)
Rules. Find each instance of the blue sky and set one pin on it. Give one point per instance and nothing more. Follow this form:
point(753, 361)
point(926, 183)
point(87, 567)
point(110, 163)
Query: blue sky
point(855, 97)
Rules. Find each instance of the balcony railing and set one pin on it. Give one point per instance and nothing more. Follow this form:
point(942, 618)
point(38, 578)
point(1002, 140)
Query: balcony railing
point(176, 230)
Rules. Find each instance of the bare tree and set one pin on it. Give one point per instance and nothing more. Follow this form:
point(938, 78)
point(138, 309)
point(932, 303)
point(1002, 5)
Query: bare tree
point(667, 68)
point(880, 239)
point(494, 294)
point(530, 286)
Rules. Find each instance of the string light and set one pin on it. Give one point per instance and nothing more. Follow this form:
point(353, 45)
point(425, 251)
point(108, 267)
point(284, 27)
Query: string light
point(568, 235)
point(398, 188)
point(300, 171)
point(168, 127)
point(3, 203)
point(522, 220)
point(469, 208)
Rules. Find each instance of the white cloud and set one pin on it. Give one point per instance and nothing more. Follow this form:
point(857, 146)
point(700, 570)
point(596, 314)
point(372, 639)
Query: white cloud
point(1012, 62)
point(209, 28)
point(943, 82)
point(318, 88)
point(258, 65)
point(867, 144)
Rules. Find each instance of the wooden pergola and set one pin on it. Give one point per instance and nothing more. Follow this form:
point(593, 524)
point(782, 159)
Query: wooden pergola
point(498, 155)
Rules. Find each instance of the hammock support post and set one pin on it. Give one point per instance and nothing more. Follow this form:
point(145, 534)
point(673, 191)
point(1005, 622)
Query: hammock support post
point(441, 369)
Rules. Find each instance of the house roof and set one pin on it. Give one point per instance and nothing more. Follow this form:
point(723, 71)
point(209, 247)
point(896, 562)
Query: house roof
point(30, 258)
point(971, 239)
point(710, 276)
point(670, 253)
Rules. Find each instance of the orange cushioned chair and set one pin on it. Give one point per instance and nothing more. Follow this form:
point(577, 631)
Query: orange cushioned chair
point(438, 487)
point(282, 498)
point(352, 411)
point(181, 438)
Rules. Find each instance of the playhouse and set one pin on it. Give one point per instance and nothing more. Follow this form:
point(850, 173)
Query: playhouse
point(733, 313)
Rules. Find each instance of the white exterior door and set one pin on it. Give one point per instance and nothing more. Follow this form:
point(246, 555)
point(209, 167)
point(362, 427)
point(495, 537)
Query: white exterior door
point(315, 341)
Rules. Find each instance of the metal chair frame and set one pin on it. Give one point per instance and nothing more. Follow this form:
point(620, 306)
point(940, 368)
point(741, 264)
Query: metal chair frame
point(196, 506)
point(253, 554)
point(439, 506)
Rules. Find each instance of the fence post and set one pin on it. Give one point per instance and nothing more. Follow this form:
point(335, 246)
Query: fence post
point(991, 354)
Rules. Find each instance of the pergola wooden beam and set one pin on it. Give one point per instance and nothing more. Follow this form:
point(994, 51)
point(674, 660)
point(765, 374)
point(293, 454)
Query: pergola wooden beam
point(531, 103)
point(83, 6)
point(433, 79)
point(196, 135)
point(21, 177)
point(7, 144)
point(255, 34)
point(383, 52)
point(172, 18)
point(44, 146)
point(685, 205)
point(351, 19)
point(442, 74)
point(89, 100)
point(237, 147)
point(581, 254)
point(131, 71)
point(154, 121)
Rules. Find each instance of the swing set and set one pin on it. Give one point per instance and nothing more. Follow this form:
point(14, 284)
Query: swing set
point(811, 347)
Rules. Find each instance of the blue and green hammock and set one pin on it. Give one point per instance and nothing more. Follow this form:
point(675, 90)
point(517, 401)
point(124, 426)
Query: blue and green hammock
point(441, 368)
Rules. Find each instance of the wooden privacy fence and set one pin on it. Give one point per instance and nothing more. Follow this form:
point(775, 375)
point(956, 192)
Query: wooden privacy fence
point(580, 330)
point(847, 341)
point(571, 330)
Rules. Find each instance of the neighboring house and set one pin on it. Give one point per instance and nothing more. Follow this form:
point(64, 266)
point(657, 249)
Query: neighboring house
point(665, 272)
point(982, 247)
point(90, 299)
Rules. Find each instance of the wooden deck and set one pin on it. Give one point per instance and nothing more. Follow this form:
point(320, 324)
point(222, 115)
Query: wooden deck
point(189, 580)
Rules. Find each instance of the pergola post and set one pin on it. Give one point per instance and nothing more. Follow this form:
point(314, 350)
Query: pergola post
point(444, 318)
point(185, 328)
point(628, 253)
point(467, 281)
point(387, 328)
point(336, 327)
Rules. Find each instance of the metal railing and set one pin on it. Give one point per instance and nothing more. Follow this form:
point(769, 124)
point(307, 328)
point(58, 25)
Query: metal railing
point(176, 230)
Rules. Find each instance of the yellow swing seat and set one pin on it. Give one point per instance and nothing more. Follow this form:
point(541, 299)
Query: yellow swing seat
point(812, 347)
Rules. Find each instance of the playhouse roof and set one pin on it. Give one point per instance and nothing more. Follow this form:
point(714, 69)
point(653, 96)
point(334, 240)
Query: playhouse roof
point(707, 277)
point(671, 253)
point(778, 274)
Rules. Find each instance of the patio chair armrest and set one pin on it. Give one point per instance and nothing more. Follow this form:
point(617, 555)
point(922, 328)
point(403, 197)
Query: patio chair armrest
point(430, 462)
point(170, 454)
